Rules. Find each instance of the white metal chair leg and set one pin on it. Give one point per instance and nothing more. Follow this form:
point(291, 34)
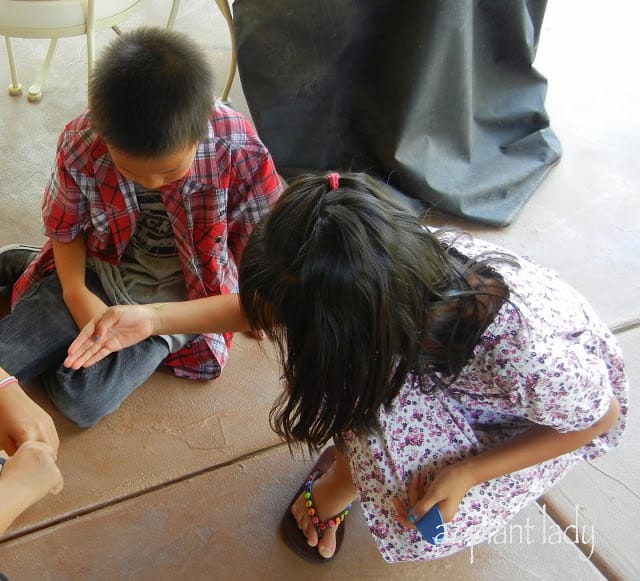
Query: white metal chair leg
point(91, 37)
point(226, 12)
point(76, 27)
point(15, 88)
point(35, 91)
point(172, 15)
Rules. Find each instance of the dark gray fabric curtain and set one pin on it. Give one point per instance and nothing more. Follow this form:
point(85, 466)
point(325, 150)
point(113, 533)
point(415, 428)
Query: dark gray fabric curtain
point(437, 97)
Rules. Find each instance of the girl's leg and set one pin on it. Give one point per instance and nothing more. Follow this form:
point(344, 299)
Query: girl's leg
point(332, 492)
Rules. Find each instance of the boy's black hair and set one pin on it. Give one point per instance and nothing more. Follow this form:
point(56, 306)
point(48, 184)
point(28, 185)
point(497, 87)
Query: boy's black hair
point(357, 295)
point(151, 93)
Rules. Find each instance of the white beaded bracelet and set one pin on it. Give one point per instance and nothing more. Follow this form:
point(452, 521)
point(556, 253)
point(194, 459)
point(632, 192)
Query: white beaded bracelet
point(8, 381)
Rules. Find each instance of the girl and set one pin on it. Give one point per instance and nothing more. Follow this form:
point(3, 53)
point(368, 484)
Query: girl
point(449, 373)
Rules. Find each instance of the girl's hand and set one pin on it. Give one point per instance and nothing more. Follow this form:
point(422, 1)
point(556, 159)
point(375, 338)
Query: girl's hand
point(118, 327)
point(447, 491)
point(22, 419)
point(33, 470)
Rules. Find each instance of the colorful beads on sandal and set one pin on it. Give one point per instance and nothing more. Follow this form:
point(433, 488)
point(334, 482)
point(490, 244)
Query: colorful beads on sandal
point(311, 510)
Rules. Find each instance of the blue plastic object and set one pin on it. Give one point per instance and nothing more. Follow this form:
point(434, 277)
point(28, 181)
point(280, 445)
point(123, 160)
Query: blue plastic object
point(432, 527)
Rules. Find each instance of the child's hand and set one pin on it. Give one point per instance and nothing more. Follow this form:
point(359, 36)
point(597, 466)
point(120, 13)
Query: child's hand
point(447, 491)
point(30, 474)
point(22, 419)
point(117, 328)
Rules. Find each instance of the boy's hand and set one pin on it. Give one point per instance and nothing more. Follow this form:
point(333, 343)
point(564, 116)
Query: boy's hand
point(31, 473)
point(118, 327)
point(22, 419)
point(447, 491)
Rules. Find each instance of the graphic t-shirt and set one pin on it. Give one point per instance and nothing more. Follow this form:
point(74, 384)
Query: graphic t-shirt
point(150, 269)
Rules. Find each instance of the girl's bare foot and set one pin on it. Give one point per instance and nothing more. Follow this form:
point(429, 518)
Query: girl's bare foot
point(332, 493)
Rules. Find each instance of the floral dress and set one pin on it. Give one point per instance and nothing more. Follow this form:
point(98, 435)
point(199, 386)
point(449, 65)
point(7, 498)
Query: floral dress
point(546, 359)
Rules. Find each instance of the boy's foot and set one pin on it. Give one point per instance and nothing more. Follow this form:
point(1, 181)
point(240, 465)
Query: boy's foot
point(14, 259)
point(330, 501)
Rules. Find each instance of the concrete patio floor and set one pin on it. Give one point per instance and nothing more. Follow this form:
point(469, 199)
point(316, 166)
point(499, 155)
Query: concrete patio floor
point(187, 481)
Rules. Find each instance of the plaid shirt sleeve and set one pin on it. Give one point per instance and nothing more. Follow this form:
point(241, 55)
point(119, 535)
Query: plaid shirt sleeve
point(254, 188)
point(64, 207)
point(246, 172)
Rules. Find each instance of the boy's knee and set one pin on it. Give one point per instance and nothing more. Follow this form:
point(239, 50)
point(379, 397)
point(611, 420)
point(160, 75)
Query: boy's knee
point(83, 418)
point(76, 400)
point(81, 411)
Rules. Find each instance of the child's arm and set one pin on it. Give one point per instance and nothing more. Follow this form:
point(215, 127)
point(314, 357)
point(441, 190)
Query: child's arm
point(25, 478)
point(71, 263)
point(536, 445)
point(123, 326)
point(22, 419)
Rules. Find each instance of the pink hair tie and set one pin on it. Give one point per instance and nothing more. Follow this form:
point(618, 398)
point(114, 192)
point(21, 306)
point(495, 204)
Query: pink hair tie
point(334, 180)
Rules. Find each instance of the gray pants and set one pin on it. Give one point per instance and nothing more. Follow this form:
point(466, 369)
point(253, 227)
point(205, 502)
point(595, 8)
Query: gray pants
point(34, 339)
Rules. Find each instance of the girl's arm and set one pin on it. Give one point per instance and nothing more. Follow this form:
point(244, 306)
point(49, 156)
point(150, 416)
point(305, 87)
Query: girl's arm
point(123, 326)
point(536, 445)
point(217, 314)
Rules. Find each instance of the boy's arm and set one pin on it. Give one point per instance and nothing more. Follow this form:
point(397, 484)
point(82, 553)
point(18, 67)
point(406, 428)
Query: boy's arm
point(71, 263)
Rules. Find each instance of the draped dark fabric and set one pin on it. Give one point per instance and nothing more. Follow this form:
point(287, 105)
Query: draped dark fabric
point(437, 97)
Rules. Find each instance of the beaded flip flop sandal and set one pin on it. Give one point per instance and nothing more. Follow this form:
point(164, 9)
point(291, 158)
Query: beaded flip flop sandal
point(293, 536)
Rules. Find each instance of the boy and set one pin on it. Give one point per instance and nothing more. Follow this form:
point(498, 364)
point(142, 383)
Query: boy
point(153, 197)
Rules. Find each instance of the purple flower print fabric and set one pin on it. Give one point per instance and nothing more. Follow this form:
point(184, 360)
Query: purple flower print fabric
point(545, 359)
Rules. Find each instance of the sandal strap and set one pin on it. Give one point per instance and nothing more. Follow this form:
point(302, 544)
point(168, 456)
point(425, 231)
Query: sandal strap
point(311, 509)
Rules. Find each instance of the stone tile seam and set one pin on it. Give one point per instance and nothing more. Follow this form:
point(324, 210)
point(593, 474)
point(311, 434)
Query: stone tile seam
point(596, 558)
point(626, 326)
point(140, 493)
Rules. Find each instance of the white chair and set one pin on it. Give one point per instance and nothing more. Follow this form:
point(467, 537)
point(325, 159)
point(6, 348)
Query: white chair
point(223, 5)
point(55, 19)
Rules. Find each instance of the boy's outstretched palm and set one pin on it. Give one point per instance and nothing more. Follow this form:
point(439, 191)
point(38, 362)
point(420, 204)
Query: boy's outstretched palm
point(117, 328)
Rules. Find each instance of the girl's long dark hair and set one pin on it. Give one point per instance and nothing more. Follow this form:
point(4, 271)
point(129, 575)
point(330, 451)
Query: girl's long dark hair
point(356, 295)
